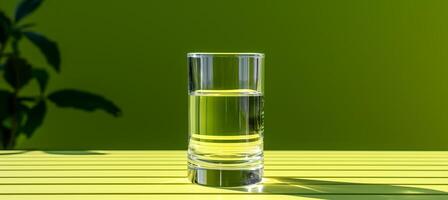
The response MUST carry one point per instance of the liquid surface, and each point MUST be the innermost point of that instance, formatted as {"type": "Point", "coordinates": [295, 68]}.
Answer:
{"type": "Point", "coordinates": [226, 129]}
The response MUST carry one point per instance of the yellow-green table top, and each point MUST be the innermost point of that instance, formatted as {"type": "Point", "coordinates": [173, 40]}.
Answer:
{"type": "Point", "coordinates": [143, 175]}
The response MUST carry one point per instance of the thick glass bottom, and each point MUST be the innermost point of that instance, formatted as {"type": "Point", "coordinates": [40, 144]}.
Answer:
{"type": "Point", "coordinates": [225, 178]}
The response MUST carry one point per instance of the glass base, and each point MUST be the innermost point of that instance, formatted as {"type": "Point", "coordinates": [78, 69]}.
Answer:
{"type": "Point", "coordinates": [225, 178]}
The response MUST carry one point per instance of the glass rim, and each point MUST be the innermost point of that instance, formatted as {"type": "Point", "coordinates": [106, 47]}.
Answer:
{"type": "Point", "coordinates": [225, 54]}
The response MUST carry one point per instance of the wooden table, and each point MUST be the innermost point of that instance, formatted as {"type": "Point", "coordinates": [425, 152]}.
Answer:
{"type": "Point", "coordinates": [145, 175]}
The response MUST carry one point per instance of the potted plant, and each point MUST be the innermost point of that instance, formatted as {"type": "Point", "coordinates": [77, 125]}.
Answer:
{"type": "Point", "coordinates": [21, 114]}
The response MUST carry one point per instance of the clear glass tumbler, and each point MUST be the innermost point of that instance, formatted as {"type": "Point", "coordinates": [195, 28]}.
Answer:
{"type": "Point", "coordinates": [225, 118]}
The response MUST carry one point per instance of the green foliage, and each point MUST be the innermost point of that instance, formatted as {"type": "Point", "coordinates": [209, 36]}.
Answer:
{"type": "Point", "coordinates": [35, 118]}
{"type": "Point", "coordinates": [47, 47]}
{"type": "Point", "coordinates": [42, 78]}
{"type": "Point", "coordinates": [70, 98]}
{"type": "Point", "coordinates": [17, 72]}
{"type": "Point", "coordinates": [25, 114]}
{"type": "Point", "coordinates": [5, 103]}
{"type": "Point", "coordinates": [26, 7]}
{"type": "Point", "coordinates": [5, 25]}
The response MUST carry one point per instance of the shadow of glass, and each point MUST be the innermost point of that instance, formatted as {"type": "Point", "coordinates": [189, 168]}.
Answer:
{"type": "Point", "coordinates": [11, 152]}
{"type": "Point", "coordinates": [78, 152]}
{"type": "Point", "coordinates": [332, 190]}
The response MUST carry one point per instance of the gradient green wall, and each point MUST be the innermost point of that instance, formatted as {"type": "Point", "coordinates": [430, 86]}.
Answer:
{"type": "Point", "coordinates": [346, 74]}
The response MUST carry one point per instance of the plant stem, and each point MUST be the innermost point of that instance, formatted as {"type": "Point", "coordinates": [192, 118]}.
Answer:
{"type": "Point", "coordinates": [4, 132]}
{"type": "Point", "coordinates": [15, 47]}
{"type": "Point", "coordinates": [14, 110]}
{"type": "Point", "coordinates": [2, 49]}
{"type": "Point", "coordinates": [14, 121]}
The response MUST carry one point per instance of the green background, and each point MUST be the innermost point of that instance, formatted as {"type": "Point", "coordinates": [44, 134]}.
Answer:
{"type": "Point", "coordinates": [346, 74]}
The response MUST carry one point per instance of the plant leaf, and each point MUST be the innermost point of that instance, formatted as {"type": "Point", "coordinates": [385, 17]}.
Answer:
{"type": "Point", "coordinates": [22, 110]}
{"type": "Point", "coordinates": [83, 100]}
{"type": "Point", "coordinates": [5, 99]}
{"type": "Point", "coordinates": [27, 99]}
{"type": "Point", "coordinates": [26, 7]}
{"type": "Point", "coordinates": [35, 118]}
{"type": "Point", "coordinates": [18, 115]}
{"type": "Point", "coordinates": [5, 136]}
{"type": "Point", "coordinates": [17, 72]}
{"type": "Point", "coordinates": [47, 47]}
{"type": "Point", "coordinates": [26, 26]}
{"type": "Point", "coordinates": [5, 26]}
{"type": "Point", "coordinates": [5, 103]}
{"type": "Point", "coordinates": [41, 76]}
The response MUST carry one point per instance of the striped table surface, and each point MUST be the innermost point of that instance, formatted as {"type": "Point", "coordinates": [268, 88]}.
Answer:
{"type": "Point", "coordinates": [131, 175]}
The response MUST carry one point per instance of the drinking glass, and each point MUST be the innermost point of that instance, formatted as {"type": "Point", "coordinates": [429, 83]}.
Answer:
{"type": "Point", "coordinates": [225, 118]}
